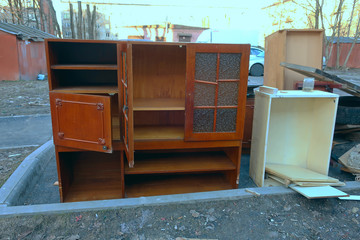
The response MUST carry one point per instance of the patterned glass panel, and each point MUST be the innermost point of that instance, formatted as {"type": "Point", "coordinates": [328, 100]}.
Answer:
{"type": "Point", "coordinates": [204, 94]}
{"type": "Point", "coordinates": [205, 66]}
{"type": "Point", "coordinates": [226, 119]}
{"type": "Point", "coordinates": [228, 93]}
{"type": "Point", "coordinates": [203, 120]}
{"type": "Point", "coordinates": [229, 67]}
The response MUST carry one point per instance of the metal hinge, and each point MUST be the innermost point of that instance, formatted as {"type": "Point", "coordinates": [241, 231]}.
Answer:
{"type": "Point", "coordinates": [100, 106]}
{"type": "Point", "coordinates": [61, 135]}
{"type": "Point", "coordinates": [58, 102]}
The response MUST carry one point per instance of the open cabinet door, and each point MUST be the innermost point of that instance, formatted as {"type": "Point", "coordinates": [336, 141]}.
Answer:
{"type": "Point", "coordinates": [216, 86]}
{"type": "Point", "coordinates": [81, 121]}
{"type": "Point", "coordinates": [127, 101]}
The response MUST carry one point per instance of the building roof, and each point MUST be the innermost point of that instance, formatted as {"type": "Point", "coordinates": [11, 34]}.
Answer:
{"type": "Point", "coordinates": [24, 32]}
{"type": "Point", "coordinates": [344, 39]}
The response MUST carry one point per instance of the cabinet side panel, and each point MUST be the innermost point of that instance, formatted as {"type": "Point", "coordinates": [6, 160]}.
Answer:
{"type": "Point", "coordinates": [274, 54]}
{"type": "Point", "coordinates": [320, 142]}
{"type": "Point", "coordinates": [259, 138]}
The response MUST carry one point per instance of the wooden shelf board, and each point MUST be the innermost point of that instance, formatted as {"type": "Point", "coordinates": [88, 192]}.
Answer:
{"type": "Point", "coordinates": [87, 89]}
{"type": "Point", "coordinates": [180, 162]}
{"type": "Point", "coordinates": [85, 66]}
{"type": "Point", "coordinates": [158, 132]}
{"type": "Point", "coordinates": [94, 189]}
{"type": "Point", "coordinates": [158, 104]}
{"type": "Point", "coordinates": [153, 185]}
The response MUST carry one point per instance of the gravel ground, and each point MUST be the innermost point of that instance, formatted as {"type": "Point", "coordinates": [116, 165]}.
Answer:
{"type": "Point", "coordinates": [24, 98]}
{"type": "Point", "coordinates": [271, 217]}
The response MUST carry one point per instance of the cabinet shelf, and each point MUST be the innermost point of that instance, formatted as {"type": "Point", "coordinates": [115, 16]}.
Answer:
{"type": "Point", "coordinates": [158, 104]}
{"type": "Point", "coordinates": [147, 163]}
{"type": "Point", "coordinates": [158, 133]}
{"type": "Point", "coordinates": [84, 67]}
{"type": "Point", "coordinates": [88, 89]}
{"type": "Point", "coordinates": [153, 185]}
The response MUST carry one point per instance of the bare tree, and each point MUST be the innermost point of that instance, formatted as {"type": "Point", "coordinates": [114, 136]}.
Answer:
{"type": "Point", "coordinates": [72, 21]}
{"type": "Point", "coordinates": [79, 21]}
{"type": "Point", "coordinates": [353, 43]}
{"type": "Point", "coordinates": [351, 17]}
{"type": "Point", "coordinates": [338, 38]}
{"type": "Point", "coordinates": [93, 22]}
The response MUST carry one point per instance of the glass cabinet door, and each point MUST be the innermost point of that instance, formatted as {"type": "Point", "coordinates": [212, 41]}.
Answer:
{"type": "Point", "coordinates": [127, 106]}
{"type": "Point", "coordinates": [216, 89]}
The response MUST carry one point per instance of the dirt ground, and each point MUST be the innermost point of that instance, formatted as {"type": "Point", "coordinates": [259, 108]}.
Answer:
{"type": "Point", "coordinates": [271, 217]}
{"type": "Point", "coordinates": [24, 98]}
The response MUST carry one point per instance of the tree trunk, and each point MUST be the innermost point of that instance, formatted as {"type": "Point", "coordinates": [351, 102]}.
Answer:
{"type": "Point", "coordinates": [317, 11]}
{"type": "Point", "coordinates": [11, 11]}
{"type": "Point", "coordinates": [351, 18]}
{"type": "Point", "coordinates": [338, 41]}
{"type": "Point", "coordinates": [329, 48]}
{"type": "Point", "coordinates": [79, 22]}
{"type": "Point", "coordinates": [55, 23]}
{"type": "Point", "coordinates": [88, 16]}
{"type": "Point", "coordinates": [93, 22]}
{"type": "Point", "coordinates": [72, 21]}
{"type": "Point", "coordinates": [42, 15]}
{"type": "Point", "coordinates": [35, 15]}
{"type": "Point", "coordinates": [353, 43]}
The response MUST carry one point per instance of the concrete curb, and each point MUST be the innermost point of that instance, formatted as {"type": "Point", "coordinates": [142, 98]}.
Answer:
{"type": "Point", "coordinates": [26, 174]}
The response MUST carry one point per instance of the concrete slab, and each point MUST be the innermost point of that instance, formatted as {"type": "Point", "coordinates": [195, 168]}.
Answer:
{"type": "Point", "coordinates": [24, 131]}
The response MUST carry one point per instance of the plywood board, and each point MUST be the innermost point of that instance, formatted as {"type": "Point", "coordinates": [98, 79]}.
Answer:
{"type": "Point", "coordinates": [259, 138]}
{"type": "Point", "coordinates": [351, 197]}
{"type": "Point", "coordinates": [295, 173]}
{"type": "Point", "coordinates": [318, 184]}
{"type": "Point", "coordinates": [319, 192]}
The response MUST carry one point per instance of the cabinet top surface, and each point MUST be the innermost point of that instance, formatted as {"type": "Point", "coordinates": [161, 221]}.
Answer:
{"type": "Point", "coordinates": [130, 42]}
{"type": "Point", "coordinates": [299, 94]}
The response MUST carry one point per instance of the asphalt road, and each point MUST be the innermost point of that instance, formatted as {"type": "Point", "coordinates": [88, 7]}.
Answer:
{"type": "Point", "coordinates": [24, 131]}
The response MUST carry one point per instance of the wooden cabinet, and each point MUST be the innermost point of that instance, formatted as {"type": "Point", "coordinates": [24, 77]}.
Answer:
{"type": "Point", "coordinates": [139, 119]}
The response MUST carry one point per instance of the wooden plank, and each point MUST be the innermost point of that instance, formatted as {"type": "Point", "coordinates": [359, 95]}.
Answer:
{"type": "Point", "coordinates": [158, 104]}
{"type": "Point", "coordinates": [153, 185]}
{"type": "Point", "coordinates": [318, 184]}
{"type": "Point", "coordinates": [259, 138]}
{"type": "Point", "coordinates": [351, 197]}
{"type": "Point", "coordinates": [84, 66]}
{"type": "Point", "coordinates": [180, 162]}
{"type": "Point", "coordinates": [88, 89]}
{"type": "Point", "coordinates": [158, 132]}
{"type": "Point", "coordinates": [321, 75]}
{"type": "Point", "coordinates": [319, 192]}
{"type": "Point", "coordinates": [295, 173]}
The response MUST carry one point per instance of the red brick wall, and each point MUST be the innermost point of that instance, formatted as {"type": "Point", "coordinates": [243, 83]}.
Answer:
{"type": "Point", "coordinates": [9, 65]}
{"type": "Point", "coordinates": [32, 60]}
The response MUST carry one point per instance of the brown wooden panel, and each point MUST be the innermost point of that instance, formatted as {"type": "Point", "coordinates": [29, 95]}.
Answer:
{"type": "Point", "coordinates": [192, 49]}
{"type": "Point", "coordinates": [179, 144]}
{"type": "Point", "coordinates": [156, 118]}
{"type": "Point", "coordinates": [176, 162]}
{"type": "Point", "coordinates": [127, 101]}
{"type": "Point", "coordinates": [159, 71]}
{"type": "Point", "coordinates": [249, 115]}
{"type": "Point", "coordinates": [94, 176]}
{"type": "Point", "coordinates": [152, 185]}
{"type": "Point", "coordinates": [81, 121]}
{"type": "Point", "coordinates": [85, 66]}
